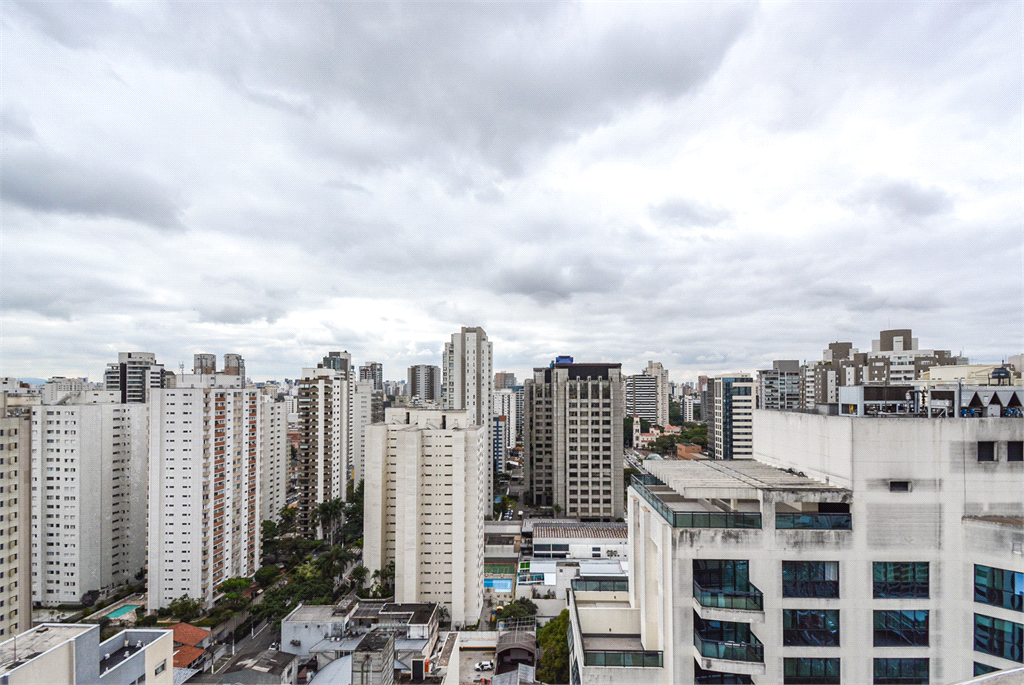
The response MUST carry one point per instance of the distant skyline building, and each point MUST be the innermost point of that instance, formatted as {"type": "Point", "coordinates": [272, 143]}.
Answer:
{"type": "Point", "coordinates": [274, 457]}
{"type": "Point", "coordinates": [642, 397]}
{"type": "Point", "coordinates": [136, 374]}
{"type": "Point", "coordinates": [89, 469]}
{"type": "Point", "coordinates": [504, 380]}
{"type": "Point", "coordinates": [504, 404]}
{"type": "Point", "coordinates": [205, 448]}
{"type": "Point", "coordinates": [662, 392]}
{"type": "Point", "coordinates": [572, 438]}
{"type": "Point", "coordinates": [779, 387]}
{"type": "Point", "coordinates": [467, 370]}
{"type": "Point", "coordinates": [730, 427]}
{"type": "Point", "coordinates": [373, 371]}
{"type": "Point", "coordinates": [424, 382]}
{"type": "Point", "coordinates": [427, 494]}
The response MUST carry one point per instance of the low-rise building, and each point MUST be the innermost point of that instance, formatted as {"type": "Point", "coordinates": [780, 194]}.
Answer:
{"type": "Point", "coordinates": [72, 654]}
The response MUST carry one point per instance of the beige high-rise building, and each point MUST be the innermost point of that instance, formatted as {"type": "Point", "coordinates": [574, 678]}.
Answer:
{"type": "Point", "coordinates": [90, 455]}
{"type": "Point", "coordinates": [274, 457]}
{"type": "Point", "coordinates": [572, 438]}
{"type": "Point", "coordinates": [204, 514]}
{"type": "Point", "coordinates": [427, 477]}
{"type": "Point", "coordinates": [663, 390]}
{"type": "Point", "coordinates": [468, 375]}
{"type": "Point", "coordinates": [325, 404]}
{"type": "Point", "coordinates": [15, 519]}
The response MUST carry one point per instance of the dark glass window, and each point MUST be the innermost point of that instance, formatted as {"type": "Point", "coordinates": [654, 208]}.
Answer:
{"type": "Point", "coordinates": [982, 669]}
{"type": "Point", "coordinates": [901, 629]}
{"type": "Point", "coordinates": [986, 451]}
{"type": "Point", "coordinates": [899, 486]}
{"type": "Point", "coordinates": [810, 627]}
{"type": "Point", "coordinates": [810, 671]}
{"type": "Point", "coordinates": [999, 587]}
{"type": "Point", "coordinates": [999, 638]}
{"type": "Point", "coordinates": [702, 677]}
{"type": "Point", "coordinates": [1015, 450]}
{"type": "Point", "coordinates": [729, 574]}
{"type": "Point", "coordinates": [901, 671]}
{"type": "Point", "coordinates": [810, 579]}
{"type": "Point", "coordinates": [901, 579]}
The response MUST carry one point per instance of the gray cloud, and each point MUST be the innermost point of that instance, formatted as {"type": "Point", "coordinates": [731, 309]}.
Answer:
{"type": "Point", "coordinates": [902, 199]}
{"type": "Point", "coordinates": [46, 183]}
{"type": "Point", "coordinates": [709, 185]}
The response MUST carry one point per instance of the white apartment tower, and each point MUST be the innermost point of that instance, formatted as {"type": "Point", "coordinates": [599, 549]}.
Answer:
{"type": "Point", "coordinates": [427, 477]}
{"type": "Point", "coordinates": [273, 457]}
{"type": "Point", "coordinates": [204, 487]}
{"type": "Point", "coordinates": [89, 472]}
{"type": "Point", "coordinates": [424, 382]}
{"type": "Point", "coordinates": [15, 519]}
{"type": "Point", "coordinates": [362, 417]}
{"type": "Point", "coordinates": [468, 378]}
{"type": "Point", "coordinates": [504, 404]}
{"type": "Point", "coordinates": [642, 397]}
{"type": "Point", "coordinates": [662, 391]}
{"type": "Point", "coordinates": [135, 375]}
{"type": "Point", "coordinates": [325, 404]}
{"type": "Point", "coordinates": [730, 426]}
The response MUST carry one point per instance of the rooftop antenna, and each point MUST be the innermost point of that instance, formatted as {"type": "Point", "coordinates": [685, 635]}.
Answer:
{"type": "Point", "coordinates": [181, 368]}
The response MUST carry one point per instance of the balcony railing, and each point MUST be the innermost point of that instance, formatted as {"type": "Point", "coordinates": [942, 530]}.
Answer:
{"type": "Point", "coordinates": [813, 521]}
{"type": "Point", "coordinates": [728, 598]}
{"type": "Point", "coordinates": [687, 519]}
{"type": "Point", "coordinates": [732, 651]}
{"type": "Point", "coordinates": [626, 659]}
{"type": "Point", "coordinates": [580, 584]}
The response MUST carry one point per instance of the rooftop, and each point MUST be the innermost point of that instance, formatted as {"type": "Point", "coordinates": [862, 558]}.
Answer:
{"type": "Point", "coordinates": [412, 614]}
{"type": "Point", "coordinates": [1012, 521]}
{"type": "Point", "coordinates": [188, 634]}
{"type": "Point", "coordinates": [186, 655]}
{"type": "Point", "coordinates": [41, 639]}
{"type": "Point", "coordinates": [375, 641]}
{"type": "Point", "coordinates": [546, 529]}
{"type": "Point", "coordinates": [312, 613]}
{"type": "Point", "coordinates": [612, 643]}
{"type": "Point", "coordinates": [732, 479]}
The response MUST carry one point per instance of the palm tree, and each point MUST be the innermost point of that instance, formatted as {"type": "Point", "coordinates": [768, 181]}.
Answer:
{"type": "Point", "coordinates": [359, 576]}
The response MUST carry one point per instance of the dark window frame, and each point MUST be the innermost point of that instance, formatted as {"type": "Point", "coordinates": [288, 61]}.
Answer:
{"type": "Point", "coordinates": [901, 628]}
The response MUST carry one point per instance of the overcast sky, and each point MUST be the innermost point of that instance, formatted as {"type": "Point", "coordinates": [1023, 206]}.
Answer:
{"type": "Point", "coordinates": [709, 185]}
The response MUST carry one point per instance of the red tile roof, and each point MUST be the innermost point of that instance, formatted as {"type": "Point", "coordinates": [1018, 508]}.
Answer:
{"type": "Point", "coordinates": [188, 634]}
{"type": "Point", "coordinates": [185, 656]}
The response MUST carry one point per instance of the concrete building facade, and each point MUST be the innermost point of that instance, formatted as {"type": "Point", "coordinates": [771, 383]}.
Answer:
{"type": "Point", "coordinates": [730, 426]}
{"type": "Point", "coordinates": [427, 476]}
{"type": "Point", "coordinates": [898, 557]}
{"type": "Point", "coordinates": [204, 487]}
{"type": "Point", "coordinates": [15, 519]}
{"type": "Point", "coordinates": [779, 387]}
{"type": "Point", "coordinates": [573, 438]}
{"type": "Point", "coordinates": [504, 404]}
{"type": "Point", "coordinates": [642, 397]}
{"type": "Point", "coordinates": [467, 370]}
{"type": "Point", "coordinates": [662, 392]}
{"type": "Point", "coordinates": [274, 456]}
{"type": "Point", "coordinates": [89, 466]}
{"type": "Point", "coordinates": [136, 374]}
{"type": "Point", "coordinates": [424, 382]}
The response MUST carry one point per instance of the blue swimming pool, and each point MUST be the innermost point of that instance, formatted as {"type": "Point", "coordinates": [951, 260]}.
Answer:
{"type": "Point", "coordinates": [499, 584]}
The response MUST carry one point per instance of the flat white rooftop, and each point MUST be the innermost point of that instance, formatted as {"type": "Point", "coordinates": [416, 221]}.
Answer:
{"type": "Point", "coordinates": [39, 640]}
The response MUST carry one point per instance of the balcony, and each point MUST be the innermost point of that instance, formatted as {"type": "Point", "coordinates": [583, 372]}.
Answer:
{"type": "Point", "coordinates": [729, 598]}
{"type": "Point", "coordinates": [746, 658]}
{"type": "Point", "coordinates": [661, 498]}
{"type": "Point", "coordinates": [813, 521]}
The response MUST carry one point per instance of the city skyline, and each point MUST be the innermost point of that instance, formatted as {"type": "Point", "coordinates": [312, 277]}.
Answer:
{"type": "Point", "coordinates": [713, 204]}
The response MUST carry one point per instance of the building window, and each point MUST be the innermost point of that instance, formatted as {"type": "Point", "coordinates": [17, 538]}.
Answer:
{"type": "Point", "coordinates": [982, 669]}
{"type": "Point", "coordinates": [901, 580]}
{"type": "Point", "coordinates": [901, 671]}
{"type": "Point", "coordinates": [999, 638]}
{"type": "Point", "coordinates": [986, 451]}
{"type": "Point", "coordinates": [810, 579]}
{"type": "Point", "coordinates": [1015, 450]}
{"type": "Point", "coordinates": [901, 628]}
{"type": "Point", "coordinates": [998, 587]}
{"type": "Point", "coordinates": [810, 671]}
{"type": "Point", "coordinates": [160, 668]}
{"type": "Point", "coordinates": [810, 627]}
{"type": "Point", "coordinates": [899, 486]}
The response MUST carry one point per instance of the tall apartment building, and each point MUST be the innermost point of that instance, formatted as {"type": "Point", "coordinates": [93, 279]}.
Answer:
{"type": "Point", "coordinates": [642, 397]}
{"type": "Point", "coordinates": [730, 425]}
{"type": "Point", "coordinates": [15, 519]}
{"type": "Point", "coordinates": [204, 517]}
{"type": "Point", "coordinates": [89, 468]}
{"type": "Point", "coordinates": [424, 382]}
{"type": "Point", "coordinates": [326, 398]}
{"type": "Point", "coordinates": [689, 402]}
{"type": "Point", "coordinates": [572, 438]}
{"type": "Point", "coordinates": [204, 364]}
{"type": "Point", "coordinates": [520, 403]}
{"type": "Point", "coordinates": [662, 392]}
{"type": "Point", "coordinates": [499, 442]}
{"type": "Point", "coordinates": [897, 558]}
{"type": "Point", "coordinates": [504, 404]}
{"type": "Point", "coordinates": [135, 375]}
{"type": "Point", "coordinates": [274, 456]}
{"type": "Point", "coordinates": [373, 371]}
{"type": "Point", "coordinates": [467, 370]}
{"type": "Point", "coordinates": [58, 387]}
{"type": "Point", "coordinates": [363, 408]}
{"type": "Point", "coordinates": [427, 485]}
{"type": "Point", "coordinates": [504, 380]}
{"type": "Point", "coordinates": [779, 387]}
{"type": "Point", "coordinates": [234, 365]}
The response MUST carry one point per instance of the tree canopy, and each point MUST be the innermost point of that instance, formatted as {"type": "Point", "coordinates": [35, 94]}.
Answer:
{"type": "Point", "coordinates": [553, 641]}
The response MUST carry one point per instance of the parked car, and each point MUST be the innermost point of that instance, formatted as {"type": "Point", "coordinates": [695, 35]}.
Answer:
{"type": "Point", "coordinates": [484, 665]}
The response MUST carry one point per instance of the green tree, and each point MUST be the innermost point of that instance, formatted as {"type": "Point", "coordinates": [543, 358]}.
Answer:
{"type": "Point", "coordinates": [519, 608]}
{"type": "Point", "coordinates": [267, 575]}
{"type": "Point", "coordinates": [359, 574]}
{"type": "Point", "coordinates": [287, 520]}
{"type": "Point", "coordinates": [554, 645]}
{"type": "Point", "coordinates": [185, 609]}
